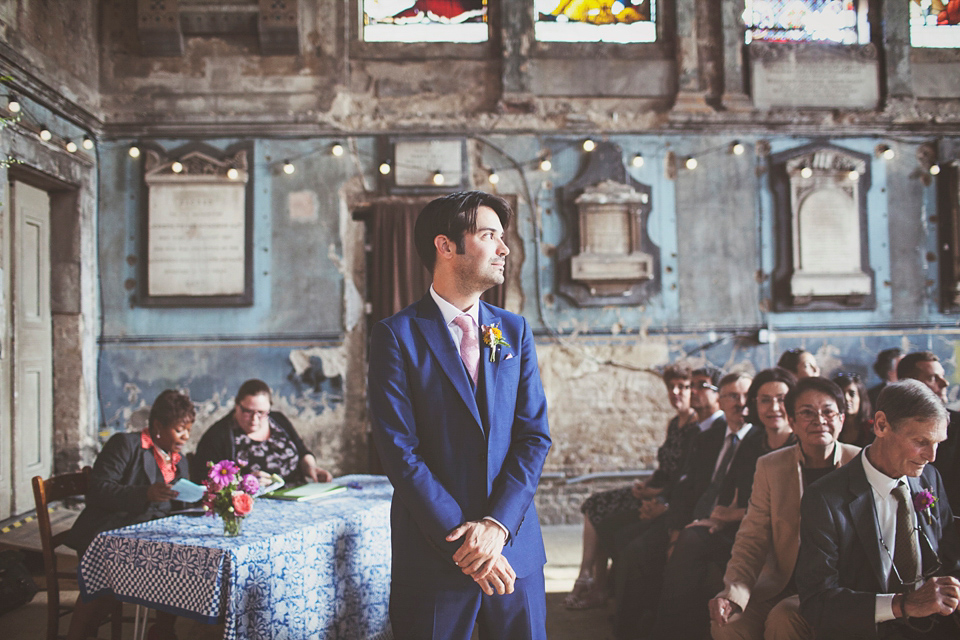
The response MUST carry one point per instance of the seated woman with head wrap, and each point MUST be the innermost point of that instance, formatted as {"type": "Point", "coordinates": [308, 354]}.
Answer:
{"type": "Point", "coordinates": [130, 483]}
{"type": "Point", "coordinates": [262, 441]}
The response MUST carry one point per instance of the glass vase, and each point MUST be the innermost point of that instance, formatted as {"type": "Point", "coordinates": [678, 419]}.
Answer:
{"type": "Point", "coordinates": [231, 525]}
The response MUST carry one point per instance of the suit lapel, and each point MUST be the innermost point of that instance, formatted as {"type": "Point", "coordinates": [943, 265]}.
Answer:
{"type": "Point", "coordinates": [864, 518]}
{"type": "Point", "coordinates": [429, 321]}
{"type": "Point", "coordinates": [150, 466]}
{"type": "Point", "coordinates": [489, 370]}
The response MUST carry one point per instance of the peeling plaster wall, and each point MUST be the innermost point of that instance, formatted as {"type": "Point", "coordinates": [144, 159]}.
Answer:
{"type": "Point", "coordinates": [55, 43]}
{"type": "Point", "coordinates": [513, 98]}
{"type": "Point", "coordinates": [305, 333]}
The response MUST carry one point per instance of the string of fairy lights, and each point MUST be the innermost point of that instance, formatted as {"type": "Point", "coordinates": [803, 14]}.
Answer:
{"type": "Point", "coordinates": [543, 161]}
{"type": "Point", "coordinates": [21, 117]}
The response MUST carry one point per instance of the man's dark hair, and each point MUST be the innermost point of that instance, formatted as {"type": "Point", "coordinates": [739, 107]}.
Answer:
{"type": "Point", "coordinates": [908, 365]}
{"type": "Point", "coordinates": [884, 362]}
{"type": "Point", "coordinates": [908, 399]}
{"type": "Point", "coordinates": [675, 371]}
{"type": "Point", "coordinates": [824, 386]}
{"type": "Point", "coordinates": [253, 387]}
{"type": "Point", "coordinates": [709, 372]}
{"type": "Point", "coordinates": [170, 409]}
{"type": "Point", "coordinates": [453, 216]}
{"type": "Point", "coordinates": [776, 374]}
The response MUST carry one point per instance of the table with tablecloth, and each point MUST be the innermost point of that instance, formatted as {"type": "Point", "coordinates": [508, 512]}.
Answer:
{"type": "Point", "coordinates": [317, 569]}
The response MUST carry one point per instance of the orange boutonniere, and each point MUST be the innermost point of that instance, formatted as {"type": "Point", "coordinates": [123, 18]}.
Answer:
{"type": "Point", "coordinates": [493, 338]}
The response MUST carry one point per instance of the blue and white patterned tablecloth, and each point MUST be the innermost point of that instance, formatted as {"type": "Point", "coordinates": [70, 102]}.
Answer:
{"type": "Point", "coordinates": [298, 570]}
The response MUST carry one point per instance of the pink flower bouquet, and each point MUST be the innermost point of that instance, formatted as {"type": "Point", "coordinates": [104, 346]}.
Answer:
{"type": "Point", "coordinates": [229, 494]}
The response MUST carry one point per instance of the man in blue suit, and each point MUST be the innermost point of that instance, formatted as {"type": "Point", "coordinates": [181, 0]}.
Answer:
{"type": "Point", "coordinates": [460, 421]}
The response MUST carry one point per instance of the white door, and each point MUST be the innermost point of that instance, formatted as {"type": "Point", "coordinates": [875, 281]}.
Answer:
{"type": "Point", "coordinates": [31, 342]}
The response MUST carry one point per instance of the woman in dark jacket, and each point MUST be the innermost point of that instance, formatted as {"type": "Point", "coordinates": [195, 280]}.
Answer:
{"type": "Point", "coordinates": [261, 441]}
{"type": "Point", "coordinates": [130, 483]}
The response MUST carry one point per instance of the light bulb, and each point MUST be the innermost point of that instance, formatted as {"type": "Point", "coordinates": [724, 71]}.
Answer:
{"type": "Point", "coordinates": [45, 134]}
{"type": "Point", "coordinates": [176, 167]}
{"type": "Point", "coordinates": [737, 149]}
{"type": "Point", "coordinates": [494, 178]}
{"type": "Point", "coordinates": [546, 165]}
{"type": "Point", "coordinates": [854, 175]}
{"type": "Point", "coordinates": [934, 169]}
{"type": "Point", "coordinates": [806, 172]}
{"type": "Point", "coordinates": [691, 163]}
{"type": "Point", "coordinates": [232, 173]}
{"type": "Point", "coordinates": [288, 167]}
{"type": "Point", "coordinates": [889, 154]}
{"type": "Point", "coordinates": [438, 178]}
{"type": "Point", "coordinates": [134, 152]}
{"type": "Point", "coordinates": [589, 145]}
{"type": "Point", "coordinates": [637, 160]}
{"type": "Point", "coordinates": [72, 146]}
{"type": "Point", "coordinates": [13, 105]}
{"type": "Point", "coordinates": [384, 168]}
{"type": "Point", "coordinates": [337, 149]}
{"type": "Point", "coordinates": [87, 143]}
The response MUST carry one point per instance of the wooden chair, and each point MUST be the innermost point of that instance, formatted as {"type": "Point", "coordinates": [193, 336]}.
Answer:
{"type": "Point", "coordinates": [55, 488]}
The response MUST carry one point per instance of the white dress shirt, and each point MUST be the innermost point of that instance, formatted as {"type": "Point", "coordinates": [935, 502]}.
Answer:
{"type": "Point", "coordinates": [450, 313]}
{"type": "Point", "coordinates": [886, 505]}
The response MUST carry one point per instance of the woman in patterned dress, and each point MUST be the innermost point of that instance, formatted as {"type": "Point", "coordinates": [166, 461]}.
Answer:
{"type": "Point", "coordinates": [262, 441]}
{"type": "Point", "coordinates": [609, 510]}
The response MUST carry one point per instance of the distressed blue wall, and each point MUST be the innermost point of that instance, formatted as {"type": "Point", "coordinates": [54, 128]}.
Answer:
{"type": "Point", "coordinates": [714, 228]}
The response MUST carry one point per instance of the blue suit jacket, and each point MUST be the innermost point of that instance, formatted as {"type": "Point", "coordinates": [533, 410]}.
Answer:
{"type": "Point", "coordinates": [840, 568]}
{"type": "Point", "coordinates": [454, 455]}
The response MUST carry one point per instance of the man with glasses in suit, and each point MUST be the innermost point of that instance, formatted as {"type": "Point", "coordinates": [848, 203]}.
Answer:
{"type": "Point", "coordinates": [879, 550]}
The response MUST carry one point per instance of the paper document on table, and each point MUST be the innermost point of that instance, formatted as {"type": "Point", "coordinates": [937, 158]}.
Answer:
{"type": "Point", "coordinates": [188, 491]}
{"type": "Point", "coordinates": [310, 491]}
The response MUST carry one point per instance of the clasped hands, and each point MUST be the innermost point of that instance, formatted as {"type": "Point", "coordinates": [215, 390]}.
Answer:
{"type": "Point", "coordinates": [480, 556]}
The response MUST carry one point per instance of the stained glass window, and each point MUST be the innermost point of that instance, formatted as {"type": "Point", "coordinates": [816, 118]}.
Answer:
{"type": "Point", "coordinates": [622, 21]}
{"type": "Point", "coordinates": [935, 23]}
{"type": "Point", "coordinates": [424, 20]}
{"type": "Point", "coordinates": [841, 21]}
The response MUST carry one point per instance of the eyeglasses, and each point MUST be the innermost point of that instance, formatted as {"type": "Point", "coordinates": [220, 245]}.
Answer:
{"type": "Point", "coordinates": [706, 385]}
{"type": "Point", "coordinates": [843, 377]}
{"type": "Point", "coordinates": [770, 400]}
{"type": "Point", "coordinates": [810, 415]}
{"type": "Point", "coordinates": [251, 413]}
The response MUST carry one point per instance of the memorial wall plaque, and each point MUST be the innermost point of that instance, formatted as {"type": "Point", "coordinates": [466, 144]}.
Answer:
{"type": "Point", "coordinates": [197, 244]}
{"type": "Point", "coordinates": [827, 252]}
{"type": "Point", "coordinates": [417, 162]}
{"type": "Point", "coordinates": [814, 75]}
{"type": "Point", "coordinates": [607, 257]}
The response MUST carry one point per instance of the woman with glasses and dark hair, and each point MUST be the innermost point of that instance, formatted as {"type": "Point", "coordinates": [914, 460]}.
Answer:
{"type": "Point", "coordinates": [858, 424]}
{"type": "Point", "coordinates": [262, 441]}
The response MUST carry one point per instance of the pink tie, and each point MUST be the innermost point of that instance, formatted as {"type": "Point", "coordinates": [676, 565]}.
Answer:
{"type": "Point", "coordinates": [469, 345]}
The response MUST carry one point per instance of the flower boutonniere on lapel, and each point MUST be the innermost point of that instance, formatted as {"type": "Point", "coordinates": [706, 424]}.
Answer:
{"type": "Point", "coordinates": [923, 502]}
{"type": "Point", "coordinates": [493, 338]}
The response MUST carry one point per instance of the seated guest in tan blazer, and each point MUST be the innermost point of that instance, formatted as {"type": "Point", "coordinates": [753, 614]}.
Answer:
{"type": "Point", "coordinates": [759, 597]}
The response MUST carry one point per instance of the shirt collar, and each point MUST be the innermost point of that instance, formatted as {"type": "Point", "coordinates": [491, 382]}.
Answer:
{"type": "Point", "coordinates": [450, 312]}
{"type": "Point", "coordinates": [881, 482]}
{"type": "Point", "coordinates": [743, 431]}
{"type": "Point", "coordinates": [706, 424]}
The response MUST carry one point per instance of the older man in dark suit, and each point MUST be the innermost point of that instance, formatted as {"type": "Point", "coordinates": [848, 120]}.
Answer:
{"type": "Point", "coordinates": [878, 546]}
